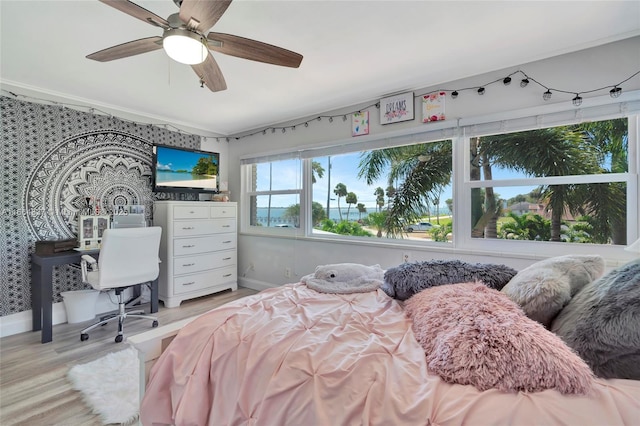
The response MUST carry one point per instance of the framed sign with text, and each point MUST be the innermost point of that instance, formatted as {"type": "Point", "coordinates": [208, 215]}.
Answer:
{"type": "Point", "coordinates": [394, 109]}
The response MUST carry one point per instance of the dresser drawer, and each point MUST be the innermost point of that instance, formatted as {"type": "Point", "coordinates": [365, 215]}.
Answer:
{"type": "Point", "coordinates": [187, 228]}
{"type": "Point", "coordinates": [196, 245]}
{"type": "Point", "coordinates": [191, 212]}
{"type": "Point", "coordinates": [202, 262]}
{"type": "Point", "coordinates": [213, 278]}
{"type": "Point", "coordinates": [223, 211]}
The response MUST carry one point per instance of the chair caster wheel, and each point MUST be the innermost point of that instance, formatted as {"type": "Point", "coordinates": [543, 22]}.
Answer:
{"type": "Point", "coordinates": [119, 338]}
{"type": "Point", "coordinates": [83, 337]}
{"type": "Point", "coordinates": [154, 324]}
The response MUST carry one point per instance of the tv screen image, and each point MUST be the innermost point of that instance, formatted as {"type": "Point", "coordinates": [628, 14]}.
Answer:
{"type": "Point", "coordinates": [184, 170]}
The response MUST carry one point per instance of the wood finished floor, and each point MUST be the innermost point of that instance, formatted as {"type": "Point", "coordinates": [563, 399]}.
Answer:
{"type": "Point", "coordinates": [34, 389]}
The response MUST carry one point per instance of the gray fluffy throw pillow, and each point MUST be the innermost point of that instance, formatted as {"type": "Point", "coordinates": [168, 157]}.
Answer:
{"type": "Point", "coordinates": [546, 287]}
{"type": "Point", "coordinates": [602, 323]}
{"type": "Point", "coordinates": [407, 279]}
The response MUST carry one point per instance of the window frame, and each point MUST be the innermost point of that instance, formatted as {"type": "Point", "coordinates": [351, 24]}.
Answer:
{"type": "Point", "coordinates": [460, 132]}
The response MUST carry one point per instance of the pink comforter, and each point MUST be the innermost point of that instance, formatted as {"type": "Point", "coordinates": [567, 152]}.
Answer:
{"type": "Point", "coordinates": [293, 356]}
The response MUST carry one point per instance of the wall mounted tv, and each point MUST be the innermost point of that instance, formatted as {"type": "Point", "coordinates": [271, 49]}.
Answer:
{"type": "Point", "coordinates": [184, 170]}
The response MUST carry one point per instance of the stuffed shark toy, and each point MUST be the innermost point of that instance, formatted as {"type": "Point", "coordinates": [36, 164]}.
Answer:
{"type": "Point", "coordinates": [342, 278]}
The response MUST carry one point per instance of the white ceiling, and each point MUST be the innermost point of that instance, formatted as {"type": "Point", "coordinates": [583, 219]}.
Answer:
{"type": "Point", "coordinates": [354, 51]}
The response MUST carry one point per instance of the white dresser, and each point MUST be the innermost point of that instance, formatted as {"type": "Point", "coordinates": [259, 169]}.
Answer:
{"type": "Point", "coordinates": [198, 249]}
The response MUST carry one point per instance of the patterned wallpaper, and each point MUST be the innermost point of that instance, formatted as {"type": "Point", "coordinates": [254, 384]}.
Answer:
{"type": "Point", "coordinates": [53, 158]}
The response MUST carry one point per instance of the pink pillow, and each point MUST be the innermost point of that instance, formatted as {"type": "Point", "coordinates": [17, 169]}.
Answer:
{"type": "Point", "coordinates": [474, 335]}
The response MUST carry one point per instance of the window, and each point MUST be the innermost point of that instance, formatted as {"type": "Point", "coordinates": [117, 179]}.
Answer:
{"type": "Point", "coordinates": [272, 191]}
{"type": "Point", "coordinates": [381, 193]}
{"type": "Point", "coordinates": [512, 186]}
{"type": "Point", "coordinates": [569, 184]}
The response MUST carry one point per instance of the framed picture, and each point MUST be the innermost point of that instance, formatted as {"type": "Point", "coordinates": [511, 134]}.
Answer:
{"type": "Point", "coordinates": [396, 108]}
{"type": "Point", "coordinates": [90, 231]}
{"type": "Point", "coordinates": [433, 107]}
{"type": "Point", "coordinates": [360, 123]}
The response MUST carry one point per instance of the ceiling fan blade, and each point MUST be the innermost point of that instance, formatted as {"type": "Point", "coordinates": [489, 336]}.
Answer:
{"type": "Point", "coordinates": [253, 50]}
{"type": "Point", "coordinates": [136, 11]}
{"type": "Point", "coordinates": [209, 73]}
{"type": "Point", "coordinates": [205, 12]}
{"type": "Point", "coordinates": [130, 48]}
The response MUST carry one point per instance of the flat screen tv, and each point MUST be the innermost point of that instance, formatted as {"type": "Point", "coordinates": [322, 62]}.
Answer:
{"type": "Point", "coordinates": [185, 170]}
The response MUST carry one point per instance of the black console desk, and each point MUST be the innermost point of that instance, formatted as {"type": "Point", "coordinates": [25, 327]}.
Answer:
{"type": "Point", "coordinates": [42, 289]}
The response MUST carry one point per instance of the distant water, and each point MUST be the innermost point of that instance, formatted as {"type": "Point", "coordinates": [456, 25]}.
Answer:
{"type": "Point", "coordinates": [277, 212]}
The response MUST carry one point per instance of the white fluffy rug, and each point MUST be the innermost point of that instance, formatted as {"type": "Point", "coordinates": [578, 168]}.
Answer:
{"type": "Point", "coordinates": [110, 385]}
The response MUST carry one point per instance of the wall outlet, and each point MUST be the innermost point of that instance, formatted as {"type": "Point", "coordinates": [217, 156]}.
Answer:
{"type": "Point", "coordinates": [287, 272]}
{"type": "Point", "coordinates": [406, 257]}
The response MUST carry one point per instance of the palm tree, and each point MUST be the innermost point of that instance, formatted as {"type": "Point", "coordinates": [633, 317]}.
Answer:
{"type": "Point", "coordinates": [390, 192]}
{"type": "Point", "coordinates": [316, 170]}
{"type": "Point", "coordinates": [351, 198]}
{"type": "Point", "coordinates": [361, 209]}
{"type": "Point", "coordinates": [292, 213]}
{"type": "Point", "coordinates": [341, 191]}
{"type": "Point", "coordinates": [606, 203]}
{"type": "Point", "coordinates": [378, 220]}
{"type": "Point", "coordinates": [422, 168]}
{"type": "Point", "coordinates": [557, 151]}
{"type": "Point", "coordinates": [379, 193]}
{"type": "Point", "coordinates": [560, 151]}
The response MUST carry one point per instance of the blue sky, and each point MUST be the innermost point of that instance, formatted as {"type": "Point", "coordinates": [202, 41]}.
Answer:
{"type": "Point", "coordinates": [176, 159]}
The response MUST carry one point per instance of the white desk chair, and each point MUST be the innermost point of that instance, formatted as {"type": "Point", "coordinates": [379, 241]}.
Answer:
{"type": "Point", "coordinates": [128, 257]}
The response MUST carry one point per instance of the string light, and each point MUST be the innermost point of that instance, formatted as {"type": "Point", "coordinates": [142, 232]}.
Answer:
{"type": "Point", "coordinates": [615, 91]}
{"type": "Point", "coordinates": [577, 101]}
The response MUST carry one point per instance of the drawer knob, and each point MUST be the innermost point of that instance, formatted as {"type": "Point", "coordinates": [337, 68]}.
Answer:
{"type": "Point", "coordinates": [189, 283]}
{"type": "Point", "coordinates": [189, 246]}
{"type": "Point", "coordinates": [226, 258]}
{"type": "Point", "coordinates": [188, 264]}
{"type": "Point", "coordinates": [226, 275]}
{"type": "Point", "coordinates": [226, 242]}
{"type": "Point", "coordinates": [186, 228]}
{"type": "Point", "coordinates": [226, 226]}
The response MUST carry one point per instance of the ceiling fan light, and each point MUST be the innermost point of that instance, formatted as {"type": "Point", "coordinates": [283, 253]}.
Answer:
{"type": "Point", "coordinates": [184, 46]}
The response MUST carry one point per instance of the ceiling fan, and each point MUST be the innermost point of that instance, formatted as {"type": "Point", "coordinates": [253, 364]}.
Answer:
{"type": "Point", "coordinates": [184, 40]}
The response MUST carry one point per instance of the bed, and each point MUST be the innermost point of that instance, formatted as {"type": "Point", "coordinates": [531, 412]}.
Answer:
{"type": "Point", "coordinates": [297, 355]}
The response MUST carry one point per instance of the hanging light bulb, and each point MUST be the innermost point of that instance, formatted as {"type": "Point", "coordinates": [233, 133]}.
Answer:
{"type": "Point", "coordinates": [454, 94]}
{"type": "Point", "coordinates": [615, 92]}
{"type": "Point", "coordinates": [481, 91]}
{"type": "Point", "coordinates": [507, 81]}
{"type": "Point", "coordinates": [546, 95]}
{"type": "Point", "coordinates": [577, 101]}
{"type": "Point", "coordinates": [524, 82]}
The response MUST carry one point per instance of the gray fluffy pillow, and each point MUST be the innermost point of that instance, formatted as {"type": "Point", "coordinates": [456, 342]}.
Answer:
{"type": "Point", "coordinates": [602, 323]}
{"type": "Point", "coordinates": [546, 287]}
{"type": "Point", "coordinates": [407, 279]}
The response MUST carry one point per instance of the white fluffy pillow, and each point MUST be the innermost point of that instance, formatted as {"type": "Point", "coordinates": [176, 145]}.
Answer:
{"type": "Point", "coordinates": [545, 287]}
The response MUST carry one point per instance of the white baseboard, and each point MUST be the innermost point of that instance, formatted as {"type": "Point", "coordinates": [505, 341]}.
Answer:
{"type": "Point", "coordinates": [255, 284]}
{"type": "Point", "coordinates": [22, 322]}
